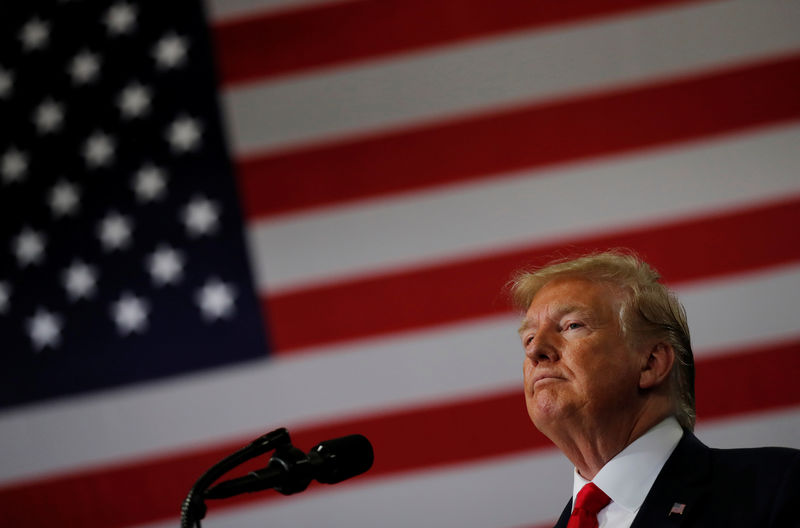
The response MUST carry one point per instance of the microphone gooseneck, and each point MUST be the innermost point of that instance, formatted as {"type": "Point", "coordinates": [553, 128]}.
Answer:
{"type": "Point", "coordinates": [291, 471]}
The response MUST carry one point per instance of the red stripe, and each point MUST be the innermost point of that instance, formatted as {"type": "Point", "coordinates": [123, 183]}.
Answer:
{"type": "Point", "coordinates": [748, 381]}
{"type": "Point", "coordinates": [256, 47]}
{"type": "Point", "coordinates": [527, 137]}
{"type": "Point", "coordinates": [449, 433]}
{"type": "Point", "coordinates": [729, 243]}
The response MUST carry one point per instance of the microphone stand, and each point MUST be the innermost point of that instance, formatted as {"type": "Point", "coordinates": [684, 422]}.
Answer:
{"type": "Point", "coordinates": [193, 508]}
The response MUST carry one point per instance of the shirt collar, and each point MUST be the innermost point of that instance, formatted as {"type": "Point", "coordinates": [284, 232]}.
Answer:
{"type": "Point", "coordinates": [628, 477]}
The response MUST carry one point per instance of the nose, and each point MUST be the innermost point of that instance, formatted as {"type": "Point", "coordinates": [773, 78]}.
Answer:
{"type": "Point", "coordinates": [542, 348]}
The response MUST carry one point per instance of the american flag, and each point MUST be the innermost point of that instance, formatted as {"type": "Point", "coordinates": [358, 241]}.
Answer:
{"type": "Point", "coordinates": [123, 252]}
{"type": "Point", "coordinates": [393, 162]}
{"type": "Point", "coordinates": [677, 508]}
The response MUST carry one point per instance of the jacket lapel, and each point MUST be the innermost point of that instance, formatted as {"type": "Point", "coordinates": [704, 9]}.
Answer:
{"type": "Point", "coordinates": [564, 519]}
{"type": "Point", "coordinates": [679, 487]}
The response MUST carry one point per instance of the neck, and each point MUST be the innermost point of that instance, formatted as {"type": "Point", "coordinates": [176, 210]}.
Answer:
{"type": "Point", "coordinates": [589, 446]}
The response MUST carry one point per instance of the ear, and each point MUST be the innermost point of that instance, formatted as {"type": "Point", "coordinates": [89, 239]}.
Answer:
{"type": "Point", "coordinates": [657, 365]}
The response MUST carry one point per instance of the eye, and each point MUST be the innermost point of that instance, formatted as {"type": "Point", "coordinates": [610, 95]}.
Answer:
{"type": "Point", "coordinates": [528, 339]}
{"type": "Point", "coordinates": [573, 326]}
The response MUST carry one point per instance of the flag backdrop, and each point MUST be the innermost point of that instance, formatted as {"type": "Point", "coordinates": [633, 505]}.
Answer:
{"type": "Point", "coordinates": [320, 237]}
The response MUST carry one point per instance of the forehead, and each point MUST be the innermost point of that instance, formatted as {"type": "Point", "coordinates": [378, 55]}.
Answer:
{"type": "Point", "coordinates": [567, 295]}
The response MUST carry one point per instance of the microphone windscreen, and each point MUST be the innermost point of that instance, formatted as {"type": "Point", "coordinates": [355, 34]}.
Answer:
{"type": "Point", "coordinates": [343, 458]}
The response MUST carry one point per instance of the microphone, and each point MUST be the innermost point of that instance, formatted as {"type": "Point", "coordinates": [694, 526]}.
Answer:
{"type": "Point", "coordinates": [291, 471]}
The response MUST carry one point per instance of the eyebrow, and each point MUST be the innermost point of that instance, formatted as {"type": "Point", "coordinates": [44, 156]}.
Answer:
{"type": "Point", "coordinates": [559, 311]}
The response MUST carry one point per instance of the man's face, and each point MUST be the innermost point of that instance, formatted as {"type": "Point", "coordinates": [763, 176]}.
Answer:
{"type": "Point", "coordinates": [579, 369]}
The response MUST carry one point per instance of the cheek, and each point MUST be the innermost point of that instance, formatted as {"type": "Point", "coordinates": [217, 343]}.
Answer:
{"type": "Point", "coordinates": [527, 373]}
{"type": "Point", "coordinates": [610, 379]}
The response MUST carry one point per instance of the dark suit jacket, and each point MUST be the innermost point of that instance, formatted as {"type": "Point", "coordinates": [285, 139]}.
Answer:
{"type": "Point", "coordinates": [726, 488]}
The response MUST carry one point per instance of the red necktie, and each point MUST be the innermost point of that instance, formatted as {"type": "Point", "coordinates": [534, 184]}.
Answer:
{"type": "Point", "coordinates": [590, 500]}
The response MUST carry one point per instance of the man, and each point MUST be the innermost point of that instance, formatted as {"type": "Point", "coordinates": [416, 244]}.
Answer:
{"type": "Point", "coordinates": [609, 378]}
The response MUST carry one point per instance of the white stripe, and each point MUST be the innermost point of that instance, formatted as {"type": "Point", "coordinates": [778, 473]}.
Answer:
{"type": "Point", "coordinates": [528, 489]}
{"type": "Point", "coordinates": [495, 73]}
{"type": "Point", "coordinates": [778, 428]}
{"type": "Point", "coordinates": [731, 313]}
{"type": "Point", "coordinates": [468, 359]}
{"type": "Point", "coordinates": [524, 209]}
{"type": "Point", "coordinates": [226, 10]}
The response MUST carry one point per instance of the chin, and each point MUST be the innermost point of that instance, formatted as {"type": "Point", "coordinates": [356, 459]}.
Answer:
{"type": "Point", "coordinates": [543, 412]}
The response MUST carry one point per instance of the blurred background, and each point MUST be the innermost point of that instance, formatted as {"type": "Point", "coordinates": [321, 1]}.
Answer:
{"type": "Point", "coordinates": [219, 219]}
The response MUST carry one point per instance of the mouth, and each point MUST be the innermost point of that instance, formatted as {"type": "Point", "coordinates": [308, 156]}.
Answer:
{"type": "Point", "coordinates": [542, 379]}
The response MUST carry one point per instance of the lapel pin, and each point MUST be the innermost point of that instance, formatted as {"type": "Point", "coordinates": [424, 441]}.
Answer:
{"type": "Point", "coordinates": [677, 509]}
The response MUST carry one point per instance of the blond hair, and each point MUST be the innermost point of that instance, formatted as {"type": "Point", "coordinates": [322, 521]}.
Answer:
{"type": "Point", "coordinates": [649, 310]}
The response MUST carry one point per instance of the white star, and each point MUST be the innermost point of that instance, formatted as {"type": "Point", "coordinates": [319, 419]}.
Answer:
{"type": "Point", "coordinates": [64, 198]}
{"type": "Point", "coordinates": [201, 216]}
{"type": "Point", "coordinates": [14, 165]}
{"type": "Point", "coordinates": [120, 18]}
{"type": "Point", "coordinates": [150, 183]}
{"type": "Point", "coordinates": [45, 329]}
{"type": "Point", "coordinates": [6, 83]}
{"type": "Point", "coordinates": [35, 34]}
{"type": "Point", "coordinates": [48, 116]}
{"type": "Point", "coordinates": [5, 295]}
{"type": "Point", "coordinates": [85, 67]}
{"type": "Point", "coordinates": [215, 299]}
{"type": "Point", "coordinates": [80, 281]}
{"type": "Point", "coordinates": [170, 51]}
{"type": "Point", "coordinates": [130, 314]}
{"type": "Point", "coordinates": [115, 231]}
{"type": "Point", "coordinates": [134, 100]}
{"type": "Point", "coordinates": [98, 150]}
{"type": "Point", "coordinates": [29, 247]}
{"type": "Point", "coordinates": [165, 265]}
{"type": "Point", "coordinates": [184, 133]}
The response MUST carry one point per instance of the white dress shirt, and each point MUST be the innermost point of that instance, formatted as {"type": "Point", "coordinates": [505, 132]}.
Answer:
{"type": "Point", "coordinates": [628, 477]}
